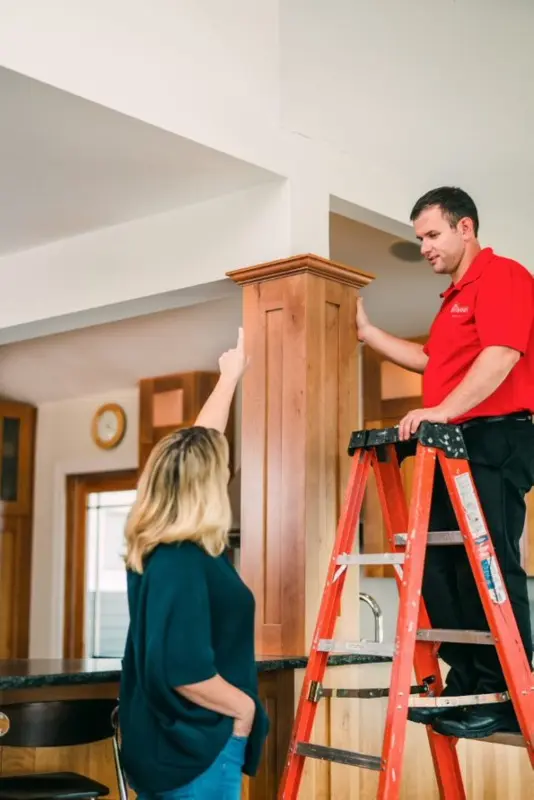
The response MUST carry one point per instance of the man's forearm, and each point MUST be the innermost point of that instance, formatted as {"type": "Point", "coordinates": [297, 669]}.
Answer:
{"type": "Point", "coordinates": [218, 695]}
{"type": "Point", "coordinates": [409, 355]}
{"type": "Point", "coordinates": [215, 411]}
{"type": "Point", "coordinates": [488, 371]}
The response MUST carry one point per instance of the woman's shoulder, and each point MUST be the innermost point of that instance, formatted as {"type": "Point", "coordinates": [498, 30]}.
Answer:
{"type": "Point", "coordinates": [173, 556]}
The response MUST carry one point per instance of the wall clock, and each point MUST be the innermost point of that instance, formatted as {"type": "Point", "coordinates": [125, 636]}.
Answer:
{"type": "Point", "coordinates": [108, 426]}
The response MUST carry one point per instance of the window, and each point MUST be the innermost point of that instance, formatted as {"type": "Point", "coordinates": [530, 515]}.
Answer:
{"type": "Point", "coordinates": [106, 607]}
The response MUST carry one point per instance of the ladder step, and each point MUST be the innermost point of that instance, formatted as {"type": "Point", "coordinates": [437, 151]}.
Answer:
{"type": "Point", "coordinates": [339, 647]}
{"type": "Point", "coordinates": [387, 649]}
{"type": "Point", "coordinates": [513, 739]}
{"type": "Point", "coordinates": [318, 691]}
{"type": "Point", "coordinates": [435, 538]}
{"type": "Point", "coordinates": [454, 636]}
{"type": "Point", "coordinates": [339, 756]}
{"type": "Point", "coordinates": [371, 558]}
{"type": "Point", "coordinates": [461, 700]}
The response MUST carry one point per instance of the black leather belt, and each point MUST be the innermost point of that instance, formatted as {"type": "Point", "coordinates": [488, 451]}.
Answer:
{"type": "Point", "coordinates": [520, 416]}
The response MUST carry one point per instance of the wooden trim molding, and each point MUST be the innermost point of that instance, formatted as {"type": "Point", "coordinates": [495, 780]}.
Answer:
{"type": "Point", "coordinates": [314, 265]}
{"type": "Point", "coordinates": [78, 487]}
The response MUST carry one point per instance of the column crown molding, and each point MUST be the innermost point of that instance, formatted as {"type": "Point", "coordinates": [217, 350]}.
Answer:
{"type": "Point", "coordinates": [294, 265]}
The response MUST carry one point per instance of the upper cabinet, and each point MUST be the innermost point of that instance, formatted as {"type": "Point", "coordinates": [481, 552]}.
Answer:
{"type": "Point", "coordinates": [17, 436]}
{"type": "Point", "coordinates": [169, 402]}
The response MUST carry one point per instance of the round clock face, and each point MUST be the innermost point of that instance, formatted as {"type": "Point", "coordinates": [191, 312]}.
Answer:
{"type": "Point", "coordinates": [107, 426]}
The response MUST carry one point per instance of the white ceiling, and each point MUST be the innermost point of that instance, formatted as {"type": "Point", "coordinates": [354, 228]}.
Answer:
{"type": "Point", "coordinates": [69, 166]}
{"type": "Point", "coordinates": [116, 355]}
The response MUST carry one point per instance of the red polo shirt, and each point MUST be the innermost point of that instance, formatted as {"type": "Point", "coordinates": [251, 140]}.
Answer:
{"type": "Point", "coordinates": [493, 304]}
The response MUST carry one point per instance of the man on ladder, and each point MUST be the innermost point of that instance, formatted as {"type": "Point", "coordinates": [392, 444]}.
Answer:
{"type": "Point", "coordinates": [478, 372]}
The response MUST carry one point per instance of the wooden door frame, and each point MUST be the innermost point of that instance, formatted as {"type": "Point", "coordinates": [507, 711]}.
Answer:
{"type": "Point", "coordinates": [77, 489]}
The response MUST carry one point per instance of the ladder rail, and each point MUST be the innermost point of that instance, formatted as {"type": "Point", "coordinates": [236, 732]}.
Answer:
{"type": "Point", "coordinates": [416, 641]}
{"type": "Point", "coordinates": [395, 511]}
{"type": "Point", "coordinates": [493, 594]}
{"type": "Point", "coordinates": [328, 612]}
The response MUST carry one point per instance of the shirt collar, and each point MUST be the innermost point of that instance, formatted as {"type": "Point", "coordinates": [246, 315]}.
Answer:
{"type": "Point", "coordinates": [474, 271]}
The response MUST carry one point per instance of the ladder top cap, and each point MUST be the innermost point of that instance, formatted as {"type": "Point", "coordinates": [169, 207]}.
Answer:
{"type": "Point", "coordinates": [448, 438]}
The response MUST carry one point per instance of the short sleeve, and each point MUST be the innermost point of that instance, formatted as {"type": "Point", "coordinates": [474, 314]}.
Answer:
{"type": "Point", "coordinates": [179, 618]}
{"type": "Point", "coordinates": [505, 307]}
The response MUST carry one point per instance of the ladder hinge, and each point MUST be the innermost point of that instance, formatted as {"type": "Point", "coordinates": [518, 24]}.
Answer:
{"type": "Point", "coordinates": [316, 692]}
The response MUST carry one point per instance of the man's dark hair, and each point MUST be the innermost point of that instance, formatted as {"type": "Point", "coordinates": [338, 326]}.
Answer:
{"type": "Point", "coordinates": [454, 203]}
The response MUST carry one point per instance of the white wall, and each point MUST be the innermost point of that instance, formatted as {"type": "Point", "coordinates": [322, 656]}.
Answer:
{"type": "Point", "coordinates": [360, 101]}
{"type": "Point", "coordinates": [190, 246]}
{"type": "Point", "coordinates": [378, 101]}
{"type": "Point", "coordinates": [64, 447]}
{"type": "Point", "coordinates": [414, 94]}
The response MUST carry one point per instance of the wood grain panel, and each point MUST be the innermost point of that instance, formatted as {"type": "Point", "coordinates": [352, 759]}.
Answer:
{"type": "Point", "coordinates": [15, 571]}
{"type": "Point", "coordinates": [528, 536]}
{"type": "Point", "coordinates": [300, 404]}
{"type": "Point", "coordinates": [7, 580]}
{"type": "Point", "coordinates": [272, 461]}
{"type": "Point", "coordinates": [274, 344]}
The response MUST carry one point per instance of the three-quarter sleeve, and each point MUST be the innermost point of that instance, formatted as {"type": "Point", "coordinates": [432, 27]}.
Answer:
{"type": "Point", "coordinates": [179, 621]}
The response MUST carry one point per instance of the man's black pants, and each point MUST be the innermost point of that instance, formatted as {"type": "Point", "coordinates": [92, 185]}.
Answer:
{"type": "Point", "coordinates": [501, 457]}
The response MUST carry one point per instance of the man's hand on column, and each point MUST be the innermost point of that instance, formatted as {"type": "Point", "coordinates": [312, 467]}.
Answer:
{"type": "Point", "coordinates": [362, 320]}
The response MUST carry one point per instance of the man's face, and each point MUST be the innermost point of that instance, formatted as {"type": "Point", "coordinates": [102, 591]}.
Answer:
{"type": "Point", "coordinates": [443, 246]}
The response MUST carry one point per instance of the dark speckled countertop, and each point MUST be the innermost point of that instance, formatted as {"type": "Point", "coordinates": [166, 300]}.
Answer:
{"type": "Point", "coordinates": [35, 672]}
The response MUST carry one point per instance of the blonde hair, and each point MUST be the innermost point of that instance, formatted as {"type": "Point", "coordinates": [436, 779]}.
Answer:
{"type": "Point", "coordinates": [182, 496]}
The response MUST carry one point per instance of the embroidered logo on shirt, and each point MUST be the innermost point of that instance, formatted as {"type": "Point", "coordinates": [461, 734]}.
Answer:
{"type": "Point", "coordinates": [457, 309]}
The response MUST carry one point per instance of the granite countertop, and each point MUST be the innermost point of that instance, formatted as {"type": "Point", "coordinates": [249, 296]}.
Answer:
{"type": "Point", "coordinates": [35, 672]}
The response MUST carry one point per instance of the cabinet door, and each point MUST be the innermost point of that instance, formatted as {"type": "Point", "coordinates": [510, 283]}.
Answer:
{"type": "Point", "coordinates": [174, 401]}
{"type": "Point", "coordinates": [15, 568]}
{"type": "Point", "coordinates": [17, 430]}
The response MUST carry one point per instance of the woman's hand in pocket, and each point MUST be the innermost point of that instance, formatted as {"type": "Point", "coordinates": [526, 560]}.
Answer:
{"type": "Point", "coordinates": [243, 723]}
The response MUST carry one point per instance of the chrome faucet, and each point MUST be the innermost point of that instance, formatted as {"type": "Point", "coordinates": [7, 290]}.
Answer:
{"type": "Point", "coordinates": [377, 613]}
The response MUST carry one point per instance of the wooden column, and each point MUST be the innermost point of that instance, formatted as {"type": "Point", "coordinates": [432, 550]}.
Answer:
{"type": "Point", "coordinates": [300, 404]}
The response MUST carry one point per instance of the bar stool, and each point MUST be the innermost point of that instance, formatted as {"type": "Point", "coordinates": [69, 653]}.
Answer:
{"type": "Point", "coordinates": [57, 723]}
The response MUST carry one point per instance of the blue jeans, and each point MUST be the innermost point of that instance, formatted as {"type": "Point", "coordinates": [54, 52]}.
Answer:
{"type": "Point", "coordinates": [221, 781]}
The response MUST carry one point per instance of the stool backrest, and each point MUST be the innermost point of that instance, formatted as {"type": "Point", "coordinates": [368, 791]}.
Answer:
{"type": "Point", "coordinates": [56, 723]}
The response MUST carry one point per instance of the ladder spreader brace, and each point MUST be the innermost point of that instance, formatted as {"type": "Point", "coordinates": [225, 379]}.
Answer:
{"type": "Point", "coordinates": [415, 640]}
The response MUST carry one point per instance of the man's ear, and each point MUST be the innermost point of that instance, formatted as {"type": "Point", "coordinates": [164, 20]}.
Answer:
{"type": "Point", "coordinates": [467, 228]}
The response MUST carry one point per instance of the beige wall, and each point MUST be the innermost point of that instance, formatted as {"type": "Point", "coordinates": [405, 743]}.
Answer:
{"type": "Point", "coordinates": [64, 447]}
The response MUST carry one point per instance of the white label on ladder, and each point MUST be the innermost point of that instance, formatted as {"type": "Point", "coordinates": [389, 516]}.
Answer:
{"type": "Point", "coordinates": [479, 534]}
{"type": "Point", "coordinates": [466, 490]}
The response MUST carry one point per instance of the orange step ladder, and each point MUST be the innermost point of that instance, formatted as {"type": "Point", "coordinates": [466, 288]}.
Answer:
{"type": "Point", "coordinates": [415, 641]}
